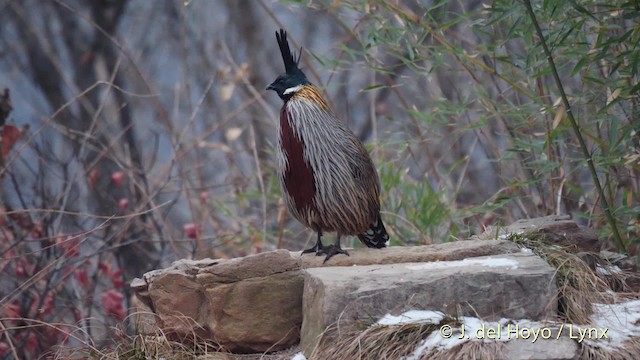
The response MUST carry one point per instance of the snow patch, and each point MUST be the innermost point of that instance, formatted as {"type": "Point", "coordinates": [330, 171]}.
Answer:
{"type": "Point", "coordinates": [622, 321]}
{"type": "Point", "coordinates": [607, 270]}
{"type": "Point", "coordinates": [526, 250]}
{"type": "Point", "coordinates": [488, 262]}
{"type": "Point", "coordinates": [299, 356]}
{"type": "Point", "coordinates": [410, 317]}
{"type": "Point", "coordinates": [471, 329]}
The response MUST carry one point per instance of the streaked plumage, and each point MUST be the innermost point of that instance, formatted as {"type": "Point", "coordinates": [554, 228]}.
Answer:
{"type": "Point", "coordinates": [328, 179]}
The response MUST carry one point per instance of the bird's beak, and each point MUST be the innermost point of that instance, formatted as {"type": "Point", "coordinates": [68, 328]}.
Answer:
{"type": "Point", "coordinates": [270, 87]}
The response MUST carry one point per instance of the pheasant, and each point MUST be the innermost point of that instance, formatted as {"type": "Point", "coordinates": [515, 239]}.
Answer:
{"type": "Point", "coordinates": [328, 180]}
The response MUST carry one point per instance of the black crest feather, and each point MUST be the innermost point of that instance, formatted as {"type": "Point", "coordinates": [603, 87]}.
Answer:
{"type": "Point", "coordinates": [289, 58]}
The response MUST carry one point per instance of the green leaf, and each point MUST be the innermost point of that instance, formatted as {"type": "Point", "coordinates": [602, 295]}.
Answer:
{"type": "Point", "coordinates": [373, 87]}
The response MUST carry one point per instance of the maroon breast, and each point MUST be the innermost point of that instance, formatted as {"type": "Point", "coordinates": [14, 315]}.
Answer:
{"type": "Point", "coordinates": [298, 175]}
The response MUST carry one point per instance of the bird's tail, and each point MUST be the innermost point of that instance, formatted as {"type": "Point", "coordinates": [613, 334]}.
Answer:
{"type": "Point", "coordinates": [376, 236]}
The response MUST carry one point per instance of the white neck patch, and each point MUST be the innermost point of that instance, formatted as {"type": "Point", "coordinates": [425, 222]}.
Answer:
{"type": "Point", "coordinates": [292, 89]}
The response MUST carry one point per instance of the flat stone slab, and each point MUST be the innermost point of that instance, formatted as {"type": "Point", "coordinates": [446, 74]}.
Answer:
{"type": "Point", "coordinates": [456, 250]}
{"type": "Point", "coordinates": [517, 286]}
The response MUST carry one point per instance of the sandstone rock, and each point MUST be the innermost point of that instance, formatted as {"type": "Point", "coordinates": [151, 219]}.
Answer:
{"type": "Point", "coordinates": [555, 229]}
{"type": "Point", "coordinates": [516, 286]}
{"type": "Point", "coordinates": [542, 349]}
{"type": "Point", "coordinates": [257, 314]}
{"type": "Point", "coordinates": [456, 250]}
{"type": "Point", "coordinates": [254, 304]}
{"type": "Point", "coordinates": [251, 304]}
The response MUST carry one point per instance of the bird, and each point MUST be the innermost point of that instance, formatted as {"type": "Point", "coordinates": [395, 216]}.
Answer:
{"type": "Point", "coordinates": [328, 180]}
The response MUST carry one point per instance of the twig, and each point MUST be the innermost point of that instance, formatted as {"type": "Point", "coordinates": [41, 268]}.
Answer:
{"type": "Point", "coordinates": [9, 341]}
{"type": "Point", "coordinates": [263, 190]}
{"type": "Point", "coordinates": [576, 130]}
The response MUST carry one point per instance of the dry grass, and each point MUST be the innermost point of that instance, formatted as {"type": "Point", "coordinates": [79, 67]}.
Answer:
{"type": "Point", "coordinates": [163, 344]}
{"type": "Point", "coordinates": [579, 285]}
{"type": "Point", "coordinates": [398, 341]}
{"type": "Point", "coordinates": [375, 342]}
{"type": "Point", "coordinates": [630, 351]}
{"type": "Point", "coordinates": [160, 344]}
{"type": "Point", "coordinates": [468, 350]}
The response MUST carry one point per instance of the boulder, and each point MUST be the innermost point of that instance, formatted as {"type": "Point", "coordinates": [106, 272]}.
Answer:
{"type": "Point", "coordinates": [250, 304]}
{"type": "Point", "coordinates": [555, 229]}
{"type": "Point", "coordinates": [517, 285]}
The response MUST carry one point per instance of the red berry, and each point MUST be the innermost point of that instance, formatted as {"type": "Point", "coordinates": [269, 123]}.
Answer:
{"type": "Point", "coordinates": [117, 178]}
{"type": "Point", "coordinates": [191, 230]}
{"type": "Point", "coordinates": [123, 204]}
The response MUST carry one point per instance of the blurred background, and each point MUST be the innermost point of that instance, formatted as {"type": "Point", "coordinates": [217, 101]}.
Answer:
{"type": "Point", "coordinates": [139, 132]}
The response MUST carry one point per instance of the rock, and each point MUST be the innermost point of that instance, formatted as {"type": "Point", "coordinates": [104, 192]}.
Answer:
{"type": "Point", "coordinates": [218, 356]}
{"type": "Point", "coordinates": [254, 304]}
{"type": "Point", "coordinates": [556, 229]}
{"type": "Point", "coordinates": [250, 304]}
{"type": "Point", "coordinates": [517, 286]}
{"type": "Point", "coordinates": [145, 318]}
{"type": "Point", "coordinates": [456, 250]}
{"type": "Point", "coordinates": [257, 314]}
{"type": "Point", "coordinates": [542, 349]}
{"type": "Point", "coordinates": [288, 354]}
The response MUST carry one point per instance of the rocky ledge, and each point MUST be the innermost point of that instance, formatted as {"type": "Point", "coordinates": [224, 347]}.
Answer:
{"type": "Point", "coordinates": [274, 300]}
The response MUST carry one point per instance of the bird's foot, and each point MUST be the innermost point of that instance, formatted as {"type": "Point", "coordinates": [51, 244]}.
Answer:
{"type": "Point", "coordinates": [313, 249]}
{"type": "Point", "coordinates": [330, 251]}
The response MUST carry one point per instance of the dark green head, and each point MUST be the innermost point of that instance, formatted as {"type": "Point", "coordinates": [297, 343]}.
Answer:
{"type": "Point", "coordinates": [293, 80]}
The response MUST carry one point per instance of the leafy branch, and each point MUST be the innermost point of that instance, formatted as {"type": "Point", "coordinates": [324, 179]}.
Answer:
{"type": "Point", "coordinates": [576, 130]}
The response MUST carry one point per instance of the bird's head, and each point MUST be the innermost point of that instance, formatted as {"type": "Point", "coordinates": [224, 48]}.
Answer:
{"type": "Point", "coordinates": [293, 79]}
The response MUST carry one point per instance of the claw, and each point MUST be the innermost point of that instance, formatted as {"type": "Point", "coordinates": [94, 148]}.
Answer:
{"type": "Point", "coordinates": [313, 249]}
{"type": "Point", "coordinates": [330, 251]}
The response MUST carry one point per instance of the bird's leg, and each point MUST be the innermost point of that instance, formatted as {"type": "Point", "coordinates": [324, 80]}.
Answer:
{"type": "Point", "coordinates": [317, 247]}
{"type": "Point", "coordinates": [332, 250]}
